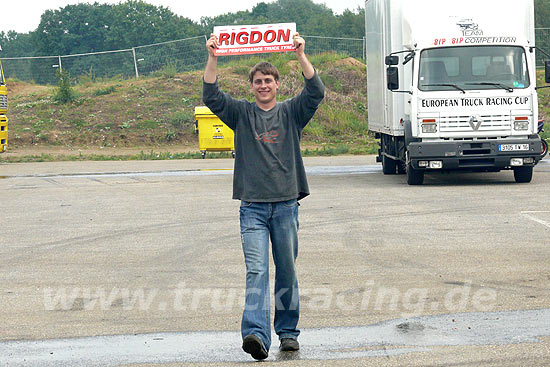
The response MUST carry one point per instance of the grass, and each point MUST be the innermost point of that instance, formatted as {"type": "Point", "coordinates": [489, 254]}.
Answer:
{"type": "Point", "coordinates": [331, 82]}
{"type": "Point", "coordinates": [180, 118]}
{"type": "Point", "coordinates": [104, 91]}
{"type": "Point", "coordinates": [159, 108]}
{"type": "Point", "coordinates": [167, 71]}
{"type": "Point", "coordinates": [103, 157]}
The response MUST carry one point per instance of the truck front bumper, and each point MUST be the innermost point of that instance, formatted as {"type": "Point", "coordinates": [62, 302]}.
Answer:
{"type": "Point", "coordinates": [484, 155]}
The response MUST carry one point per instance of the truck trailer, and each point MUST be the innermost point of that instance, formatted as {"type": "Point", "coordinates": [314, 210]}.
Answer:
{"type": "Point", "coordinates": [452, 86]}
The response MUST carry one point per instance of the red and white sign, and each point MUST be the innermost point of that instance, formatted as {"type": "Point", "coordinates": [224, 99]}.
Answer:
{"type": "Point", "coordinates": [252, 39]}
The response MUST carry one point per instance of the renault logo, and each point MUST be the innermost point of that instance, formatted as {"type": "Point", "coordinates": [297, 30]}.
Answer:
{"type": "Point", "coordinates": [475, 122]}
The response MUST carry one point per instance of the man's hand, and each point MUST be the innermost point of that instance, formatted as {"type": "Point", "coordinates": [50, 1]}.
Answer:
{"type": "Point", "coordinates": [212, 45]}
{"type": "Point", "coordinates": [212, 62]}
{"type": "Point", "coordinates": [299, 44]}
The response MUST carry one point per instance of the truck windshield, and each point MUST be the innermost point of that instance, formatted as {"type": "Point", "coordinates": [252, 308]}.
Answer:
{"type": "Point", "coordinates": [473, 67]}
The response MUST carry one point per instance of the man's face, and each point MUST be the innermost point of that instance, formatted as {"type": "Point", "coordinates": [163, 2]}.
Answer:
{"type": "Point", "coordinates": [264, 87]}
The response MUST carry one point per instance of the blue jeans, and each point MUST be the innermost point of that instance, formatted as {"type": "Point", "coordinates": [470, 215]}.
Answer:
{"type": "Point", "coordinates": [261, 222]}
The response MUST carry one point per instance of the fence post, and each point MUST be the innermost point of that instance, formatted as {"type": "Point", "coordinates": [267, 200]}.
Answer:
{"type": "Point", "coordinates": [135, 62]}
{"type": "Point", "coordinates": [364, 48]}
{"type": "Point", "coordinates": [60, 66]}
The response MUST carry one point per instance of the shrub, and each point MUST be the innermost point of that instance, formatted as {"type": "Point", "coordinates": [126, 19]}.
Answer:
{"type": "Point", "coordinates": [64, 92]}
{"type": "Point", "coordinates": [168, 71]}
{"type": "Point", "coordinates": [104, 91]}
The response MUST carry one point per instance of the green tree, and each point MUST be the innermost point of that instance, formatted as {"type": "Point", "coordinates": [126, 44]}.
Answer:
{"type": "Point", "coordinates": [83, 28]}
{"type": "Point", "coordinates": [542, 13]}
{"type": "Point", "coordinates": [73, 29]}
{"type": "Point", "coordinates": [310, 18]}
{"type": "Point", "coordinates": [16, 44]}
{"type": "Point", "coordinates": [137, 23]}
{"type": "Point", "coordinates": [352, 23]}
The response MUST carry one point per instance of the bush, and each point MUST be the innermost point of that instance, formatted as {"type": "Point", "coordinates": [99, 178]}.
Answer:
{"type": "Point", "coordinates": [64, 92]}
{"type": "Point", "coordinates": [104, 91]}
{"type": "Point", "coordinates": [168, 71]}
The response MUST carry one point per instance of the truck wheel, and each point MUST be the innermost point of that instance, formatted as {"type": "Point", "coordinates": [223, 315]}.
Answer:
{"type": "Point", "coordinates": [544, 148]}
{"type": "Point", "coordinates": [523, 174]}
{"type": "Point", "coordinates": [414, 176]}
{"type": "Point", "coordinates": [401, 167]}
{"type": "Point", "coordinates": [388, 165]}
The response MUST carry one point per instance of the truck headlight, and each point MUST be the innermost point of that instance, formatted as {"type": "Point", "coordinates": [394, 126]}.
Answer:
{"type": "Point", "coordinates": [515, 162]}
{"type": "Point", "coordinates": [436, 164]}
{"type": "Point", "coordinates": [429, 128]}
{"type": "Point", "coordinates": [521, 125]}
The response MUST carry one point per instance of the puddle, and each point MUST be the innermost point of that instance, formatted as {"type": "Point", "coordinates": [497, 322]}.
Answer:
{"type": "Point", "coordinates": [388, 338]}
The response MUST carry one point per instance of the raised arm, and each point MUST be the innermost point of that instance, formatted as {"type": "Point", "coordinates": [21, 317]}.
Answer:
{"type": "Point", "coordinates": [300, 45]}
{"type": "Point", "coordinates": [220, 103]}
{"type": "Point", "coordinates": [212, 63]}
{"type": "Point", "coordinates": [305, 104]}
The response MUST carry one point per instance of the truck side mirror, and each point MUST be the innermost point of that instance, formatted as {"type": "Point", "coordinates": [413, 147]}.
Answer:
{"type": "Point", "coordinates": [392, 74]}
{"type": "Point", "coordinates": [392, 60]}
{"type": "Point", "coordinates": [547, 71]}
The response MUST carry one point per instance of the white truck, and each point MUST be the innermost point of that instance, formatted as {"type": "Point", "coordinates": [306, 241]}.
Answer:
{"type": "Point", "coordinates": [452, 86]}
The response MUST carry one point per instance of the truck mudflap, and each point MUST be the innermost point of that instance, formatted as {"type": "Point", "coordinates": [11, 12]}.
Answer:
{"type": "Point", "coordinates": [487, 155]}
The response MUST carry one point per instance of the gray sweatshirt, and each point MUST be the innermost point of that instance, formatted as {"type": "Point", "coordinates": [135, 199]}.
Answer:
{"type": "Point", "coordinates": [268, 161]}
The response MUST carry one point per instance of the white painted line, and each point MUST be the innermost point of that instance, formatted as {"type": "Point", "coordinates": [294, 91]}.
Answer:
{"type": "Point", "coordinates": [527, 214]}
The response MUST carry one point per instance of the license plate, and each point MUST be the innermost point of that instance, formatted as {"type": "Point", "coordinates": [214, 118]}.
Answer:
{"type": "Point", "coordinates": [513, 147]}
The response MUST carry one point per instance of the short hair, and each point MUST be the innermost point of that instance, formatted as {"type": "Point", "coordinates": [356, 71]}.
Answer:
{"type": "Point", "coordinates": [265, 68]}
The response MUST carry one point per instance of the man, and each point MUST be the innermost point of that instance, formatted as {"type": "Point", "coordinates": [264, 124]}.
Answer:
{"type": "Point", "coordinates": [269, 179]}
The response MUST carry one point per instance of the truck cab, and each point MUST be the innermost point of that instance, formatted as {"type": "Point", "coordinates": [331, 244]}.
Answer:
{"type": "Point", "coordinates": [3, 112]}
{"type": "Point", "coordinates": [453, 87]}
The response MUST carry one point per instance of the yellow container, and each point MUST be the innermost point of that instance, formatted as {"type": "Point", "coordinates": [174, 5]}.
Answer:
{"type": "Point", "coordinates": [214, 135]}
{"type": "Point", "coordinates": [3, 133]}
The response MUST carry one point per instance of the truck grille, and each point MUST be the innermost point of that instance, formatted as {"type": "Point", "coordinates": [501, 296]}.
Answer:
{"type": "Point", "coordinates": [3, 102]}
{"type": "Point", "coordinates": [456, 124]}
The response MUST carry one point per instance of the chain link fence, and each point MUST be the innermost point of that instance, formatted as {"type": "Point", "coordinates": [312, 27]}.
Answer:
{"type": "Point", "coordinates": [179, 55]}
{"type": "Point", "coordinates": [542, 40]}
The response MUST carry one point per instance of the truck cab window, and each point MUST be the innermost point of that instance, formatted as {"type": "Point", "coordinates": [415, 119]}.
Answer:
{"type": "Point", "coordinates": [465, 67]}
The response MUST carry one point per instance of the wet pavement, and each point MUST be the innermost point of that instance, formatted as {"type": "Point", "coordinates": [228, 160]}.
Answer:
{"type": "Point", "coordinates": [388, 338]}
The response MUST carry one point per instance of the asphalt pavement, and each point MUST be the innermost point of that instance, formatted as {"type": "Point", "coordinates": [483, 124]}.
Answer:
{"type": "Point", "coordinates": [140, 263]}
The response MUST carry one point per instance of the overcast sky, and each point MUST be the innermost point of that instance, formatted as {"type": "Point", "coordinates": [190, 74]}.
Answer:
{"type": "Point", "coordinates": [24, 15]}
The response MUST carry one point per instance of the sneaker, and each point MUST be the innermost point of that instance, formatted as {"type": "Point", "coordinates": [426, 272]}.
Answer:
{"type": "Point", "coordinates": [254, 346]}
{"type": "Point", "coordinates": [289, 345]}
